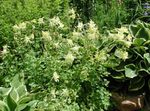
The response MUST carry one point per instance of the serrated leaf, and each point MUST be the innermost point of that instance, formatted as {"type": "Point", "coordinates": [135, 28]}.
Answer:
{"type": "Point", "coordinates": [136, 84]}
{"type": "Point", "coordinates": [147, 57]}
{"type": "Point", "coordinates": [130, 71]}
{"type": "Point", "coordinates": [3, 106]}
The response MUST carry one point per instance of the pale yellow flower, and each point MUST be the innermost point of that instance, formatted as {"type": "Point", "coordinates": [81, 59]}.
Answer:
{"type": "Point", "coordinates": [56, 77]}
{"type": "Point", "coordinates": [70, 42]}
{"type": "Point", "coordinates": [121, 54]}
{"type": "Point", "coordinates": [41, 20]}
{"type": "Point", "coordinates": [5, 50]}
{"type": "Point", "coordinates": [46, 36]}
{"type": "Point", "coordinates": [75, 49]}
{"type": "Point", "coordinates": [69, 58]}
{"type": "Point", "coordinates": [72, 13]}
{"type": "Point", "coordinates": [22, 25]}
{"type": "Point", "coordinates": [80, 26]}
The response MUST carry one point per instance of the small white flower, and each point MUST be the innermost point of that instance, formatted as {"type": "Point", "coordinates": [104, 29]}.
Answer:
{"type": "Point", "coordinates": [75, 49]}
{"type": "Point", "coordinates": [46, 36]}
{"type": "Point", "coordinates": [5, 50]}
{"type": "Point", "coordinates": [53, 93]}
{"type": "Point", "coordinates": [121, 54]}
{"type": "Point", "coordinates": [72, 13]}
{"type": "Point", "coordinates": [41, 20]}
{"type": "Point", "coordinates": [56, 77]}
{"type": "Point", "coordinates": [70, 42]}
{"type": "Point", "coordinates": [76, 35]}
{"type": "Point", "coordinates": [16, 27]}
{"type": "Point", "coordinates": [92, 27]}
{"type": "Point", "coordinates": [80, 26]}
{"type": "Point", "coordinates": [28, 39]}
{"type": "Point", "coordinates": [56, 45]}
{"type": "Point", "coordinates": [55, 21]}
{"type": "Point", "coordinates": [33, 21]}
{"type": "Point", "coordinates": [65, 92]}
{"type": "Point", "coordinates": [69, 58]}
{"type": "Point", "coordinates": [22, 25]}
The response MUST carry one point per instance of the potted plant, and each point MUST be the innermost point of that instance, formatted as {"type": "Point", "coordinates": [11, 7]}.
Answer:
{"type": "Point", "coordinates": [129, 66]}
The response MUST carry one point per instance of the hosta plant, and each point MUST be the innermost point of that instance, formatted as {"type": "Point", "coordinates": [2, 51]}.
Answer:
{"type": "Point", "coordinates": [130, 66]}
{"type": "Point", "coordinates": [16, 98]}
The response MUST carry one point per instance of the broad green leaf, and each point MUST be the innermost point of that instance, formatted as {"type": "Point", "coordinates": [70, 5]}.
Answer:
{"type": "Point", "coordinates": [133, 29]}
{"type": "Point", "coordinates": [147, 57]}
{"type": "Point", "coordinates": [22, 91]}
{"type": "Point", "coordinates": [118, 75]}
{"type": "Point", "coordinates": [130, 71]}
{"type": "Point", "coordinates": [11, 103]}
{"type": "Point", "coordinates": [143, 72]}
{"type": "Point", "coordinates": [24, 99]}
{"type": "Point", "coordinates": [138, 41]}
{"type": "Point", "coordinates": [136, 84]}
{"type": "Point", "coordinates": [15, 82]}
{"type": "Point", "coordinates": [14, 94]}
{"type": "Point", "coordinates": [143, 33]}
{"type": "Point", "coordinates": [4, 91]}
{"type": "Point", "coordinates": [3, 106]}
{"type": "Point", "coordinates": [21, 107]}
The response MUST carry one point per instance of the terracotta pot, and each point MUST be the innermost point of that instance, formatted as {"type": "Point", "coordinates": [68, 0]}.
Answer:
{"type": "Point", "coordinates": [128, 103]}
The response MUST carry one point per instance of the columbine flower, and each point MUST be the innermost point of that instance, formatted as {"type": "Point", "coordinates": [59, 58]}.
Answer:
{"type": "Point", "coordinates": [69, 58]}
{"type": "Point", "coordinates": [55, 21]}
{"type": "Point", "coordinates": [70, 42]}
{"type": "Point", "coordinates": [33, 21]}
{"type": "Point", "coordinates": [56, 77]}
{"type": "Point", "coordinates": [80, 26]}
{"type": "Point", "coordinates": [5, 50]}
{"type": "Point", "coordinates": [65, 92]}
{"type": "Point", "coordinates": [56, 45]}
{"type": "Point", "coordinates": [75, 49]}
{"type": "Point", "coordinates": [46, 36]}
{"type": "Point", "coordinates": [28, 39]}
{"type": "Point", "coordinates": [22, 25]}
{"type": "Point", "coordinates": [72, 13]}
{"type": "Point", "coordinates": [76, 35]}
{"type": "Point", "coordinates": [15, 27]}
{"type": "Point", "coordinates": [41, 20]}
{"type": "Point", "coordinates": [121, 54]}
{"type": "Point", "coordinates": [92, 27]}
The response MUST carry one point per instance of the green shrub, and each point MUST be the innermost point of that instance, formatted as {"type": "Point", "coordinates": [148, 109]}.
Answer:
{"type": "Point", "coordinates": [62, 65]}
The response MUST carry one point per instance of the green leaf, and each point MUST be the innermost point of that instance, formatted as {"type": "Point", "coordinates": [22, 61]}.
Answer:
{"type": "Point", "coordinates": [112, 62]}
{"type": "Point", "coordinates": [118, 75]}
{"type": "Point", "coordinates": [147, 57]}
{"type": "Point", "coordinates": [149, 83]}
{"type": "Point", "coordinates": [130, 71]}
{"type": "Point", "coordinates": [14, 94]}
{"type": "Point", "coordinates": [143, 72]}
{"type": "Point", "coordinates": [138, 41]}
{"type": "Point", "coordinates": [3, 106]}
{"type": "Point", "coordinates": [4, 91]}
{"type": "Point", "coordinates": [22, 107]}
{"type": "Point", "coordinates": [15, 82]}
{"type": "Point", "coordinates": [136, 84]}
{"type": "Point", "coordinates": [143, 33]}
{"type": "Point", "coordinates": [11, 103]}
{"type": "Point", "coordinates": [25, 99]}
{"type": "Point", "coordinates": [22, 91]}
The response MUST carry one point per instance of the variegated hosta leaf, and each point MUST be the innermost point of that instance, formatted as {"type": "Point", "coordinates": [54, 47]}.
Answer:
{"type": "Point", "coordinates": [147, 57]}
{"type": "Point", "coordinates": [3, 106]}
{"type": "Point", "coordinates": [130, 71]}
{"type": "Point", "coordinates": [136, 84]}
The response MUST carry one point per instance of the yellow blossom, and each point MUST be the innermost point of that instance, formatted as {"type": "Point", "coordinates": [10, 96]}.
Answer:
{"type": "Point", "coordinates": [69, 58]}
{"type": "Point", "coordinates": [46, 36]}
{"type": "Point", "coordinates": [56, 77]}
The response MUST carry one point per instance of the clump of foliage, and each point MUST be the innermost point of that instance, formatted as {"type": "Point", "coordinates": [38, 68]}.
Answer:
{"type": "Point", "coordinates": [16, 11]}
{"type": "Point", "coordinates": [16, 98]}
{"type": "Point", "coordinates": [62, 65]}
{"type": "Point", "coordinates": [128, 59]}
